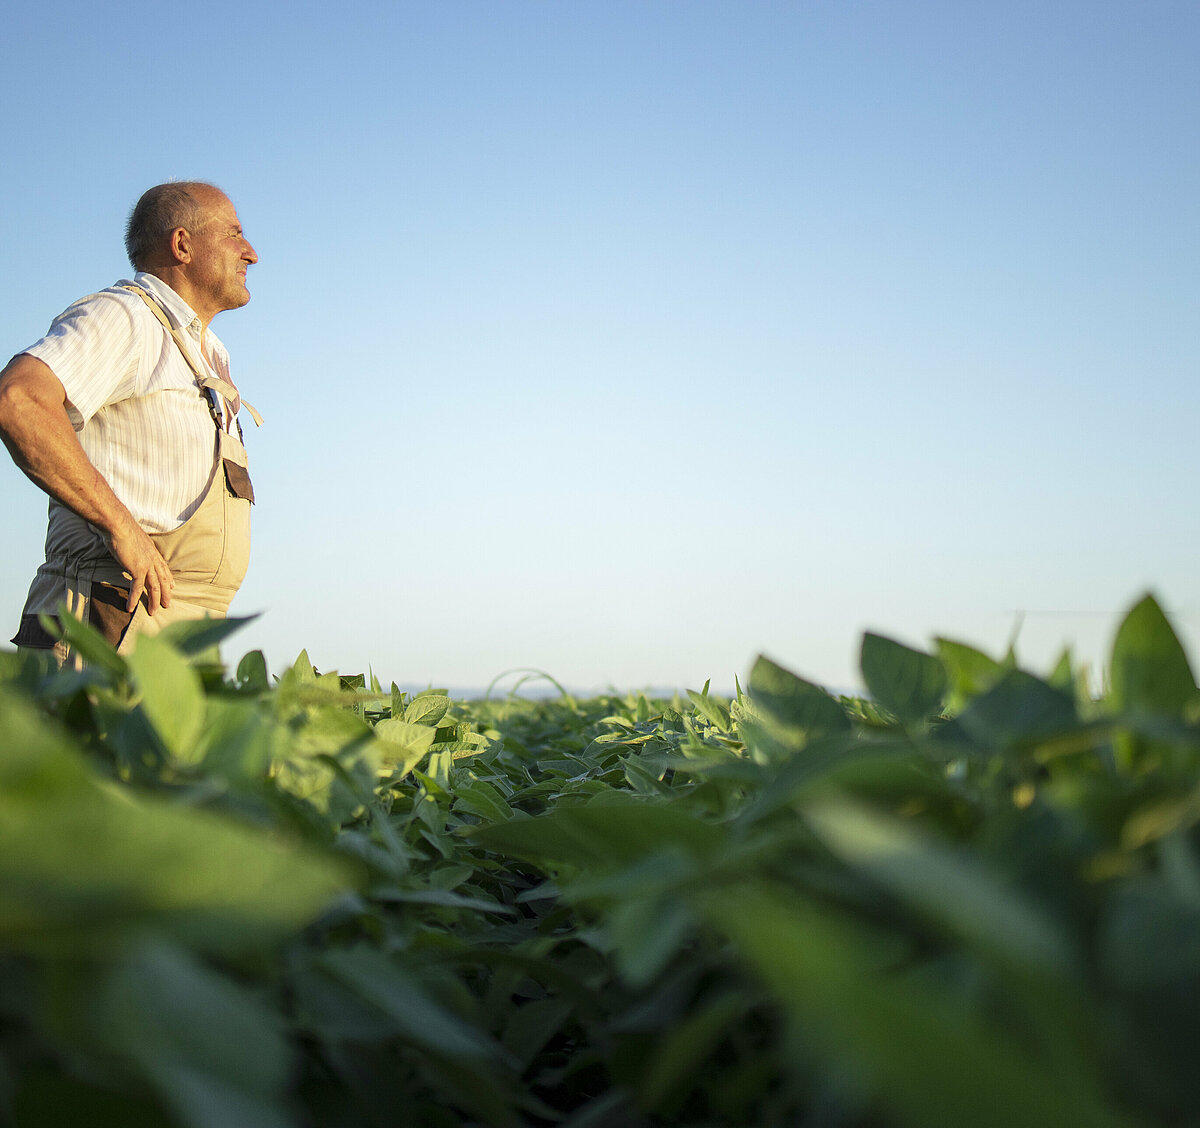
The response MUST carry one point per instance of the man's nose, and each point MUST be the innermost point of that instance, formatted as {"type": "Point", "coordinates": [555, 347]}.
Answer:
{"type": "Point", "coordinates": [249, 254]}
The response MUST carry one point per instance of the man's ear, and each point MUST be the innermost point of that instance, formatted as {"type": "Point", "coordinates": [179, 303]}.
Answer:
{"type": "Point", "coordinates": [181, 245]}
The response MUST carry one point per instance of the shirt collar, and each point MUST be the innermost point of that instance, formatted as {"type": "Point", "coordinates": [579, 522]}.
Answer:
{"type": "Point", "coordinates": [181, 315]}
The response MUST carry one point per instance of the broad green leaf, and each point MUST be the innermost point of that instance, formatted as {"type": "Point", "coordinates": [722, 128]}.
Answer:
{"type": "Point", "coordinates": [1148, 938]}
{"type": "Point", "coordinates": [419, 1018]}
{"type": "Point", "coordinates": [928, 1060]}
{"type": "Point", "coordinates": [910, 684]}
{"type": "Point", "coordinates": [443, 899]}
{"type": "Point", "coordinates": [794, 709]}
{"type": "Point", "coordinates": [239, 741]}
{"type": "Point", "coordinates": [303, 668]}
{"type": "Point", "coordinates": [403, 743]}
{"type": "Point", "coordinates": [946, 886]}
{"type": "Point", "coordinates": [532, 1025]}
{"type": "Point", "coordinates": [604, 835]}
{"type": "Point", "coordinates": [329, 729]}
{"type": "Point", "coordinates": [397, 707]}
{"type": "Point", "coordinates": [341, 765]}
{"type": "Point", "coordinates": [969, 671]}
{"type": "Point", "coordinates": [648, 933]}
{"type": "Point", "coordinates": [172, 696]}
{"type": "Point", "coordinates": [710, 709]}
{"type": "Point", "coordinates": [482, 799]}
{"type": "Point", "coordinates": [1150, 961]}
{"type": "Point", "coordinates": [1063, 676]}
{"type": "Point", "coordinates": [85, 641]}
{"type": "Point", "coordinates": [37, 760]}
{"type": "Point", "coordinates": [1019, 711]}
{"type": "Point", "coordinates": [195, 636]}
{"type": "Point", "coordinates": [84, 865]}
{"type": "Point", "coordinates": [252, 671]}
{"type": "Point", "coordinates": [1150, 671]}
{"type": "Point", "coordinates": [685, 1048]}
{"type": "Point", "coordinates": [212, 1053]}
{"type": "Point", "coordinates": [427, 709]}
{"type": "Point", "coordinates": [439, 767]}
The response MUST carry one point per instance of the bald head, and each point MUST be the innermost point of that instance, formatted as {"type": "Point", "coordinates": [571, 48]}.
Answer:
{"type": "Point", "coordinates": [162, 210]}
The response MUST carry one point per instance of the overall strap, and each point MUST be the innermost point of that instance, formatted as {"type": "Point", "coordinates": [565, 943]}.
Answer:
{"type": "Point", "coordinates": [222, 387]}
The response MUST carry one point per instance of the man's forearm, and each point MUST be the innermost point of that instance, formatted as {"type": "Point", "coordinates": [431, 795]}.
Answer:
{"type": "Point", "coordinates": [35, 428]}
{"type": "Point", "coordinates": [37, 431]}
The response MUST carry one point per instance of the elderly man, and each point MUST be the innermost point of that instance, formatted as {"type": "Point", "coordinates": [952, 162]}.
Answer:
{"type": "Point", "coordinates": [125, 414]}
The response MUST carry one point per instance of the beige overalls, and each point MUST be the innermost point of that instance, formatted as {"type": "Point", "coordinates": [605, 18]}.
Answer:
{"type": "Point", "coordinates": [208, 554]}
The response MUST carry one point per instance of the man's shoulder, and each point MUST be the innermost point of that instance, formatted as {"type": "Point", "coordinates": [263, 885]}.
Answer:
{"type": "Point", "coordinates": [102, 302]}
{"type": "Point", "coordinates": [106, 320]}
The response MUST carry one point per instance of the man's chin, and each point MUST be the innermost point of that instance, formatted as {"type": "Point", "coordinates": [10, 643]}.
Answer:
{"type": "Point", "coordinates": [236, 301]}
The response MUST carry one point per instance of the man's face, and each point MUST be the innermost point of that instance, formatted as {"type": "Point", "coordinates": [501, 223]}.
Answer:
{"type": "Point", "coordinates": [220, 256]}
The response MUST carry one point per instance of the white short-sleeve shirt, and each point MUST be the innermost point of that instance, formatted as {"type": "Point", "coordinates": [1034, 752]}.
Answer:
{"type": "Point", "coordinates": [142, 419]}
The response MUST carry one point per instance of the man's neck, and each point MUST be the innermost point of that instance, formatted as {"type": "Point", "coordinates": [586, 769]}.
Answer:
{"type": "Point", "coordinates": [178, 282]}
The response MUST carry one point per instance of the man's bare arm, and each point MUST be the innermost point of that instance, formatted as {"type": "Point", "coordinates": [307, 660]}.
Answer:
{"type": "Point", "coordinates": [35, 427]}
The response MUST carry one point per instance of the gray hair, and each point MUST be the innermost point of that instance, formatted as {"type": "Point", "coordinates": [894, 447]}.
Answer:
{"type": "Point", "coordinates": [160, 211]}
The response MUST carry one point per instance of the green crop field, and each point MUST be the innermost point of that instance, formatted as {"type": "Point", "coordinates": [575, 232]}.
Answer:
{"type": "Point", "coordinates": [229, 900]}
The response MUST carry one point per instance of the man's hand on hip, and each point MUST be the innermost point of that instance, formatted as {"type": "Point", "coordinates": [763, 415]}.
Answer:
{"type": "Point", "coordinates": [144, 564]}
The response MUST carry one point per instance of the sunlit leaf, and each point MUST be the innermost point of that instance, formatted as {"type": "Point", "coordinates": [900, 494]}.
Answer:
{"type": "Point", "coordinates": [1150, 670]}
{"type": "Point", "coordinates": [404, 744]}
{"type": "Point", "coordinates": [172, 696]}
{"type": "Point", "coordinates": [911, 684]}
{"type": "Point", "coordinates": [427, 709]}
{"type": "Point", "coordinates": [796, 710]}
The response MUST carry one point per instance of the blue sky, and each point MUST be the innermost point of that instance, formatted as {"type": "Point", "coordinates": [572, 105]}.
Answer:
{"type": "Point", "coordinates": [627, 340]}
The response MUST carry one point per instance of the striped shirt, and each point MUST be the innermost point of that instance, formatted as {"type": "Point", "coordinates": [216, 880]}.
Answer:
{"type": "Point", "coordinates": [142, 420]}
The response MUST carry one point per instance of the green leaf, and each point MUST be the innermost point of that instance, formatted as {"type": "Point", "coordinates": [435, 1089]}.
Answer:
{"type": "Point", "coordinates": [441, 898]}
{"type": "Point", "coordinates": [710, 708]}
{"type": "Point", "coordinates": [38, 762]}
{"type": "Point", "coordinates": [907, 682]}
{"type": "Point", "coordinates": [1150, 671]}
{"type": "Point", "coordinates": [439, 767]}
{"type": "Point", "coordinates": [303, 668]}
{"type": "Point", "coordinates": [252, 672]}
{"type": "Point", "coordinates": [685, 1047]}
{"type": "Point", "coordinates": [397, 706]}
{"type": "Point", "coordinates": [418, 1017]}
{"type": "Point", "coordinates": [1062, 676]}
{"type": "Point", "coordinates": [239, 742]}
{"type": "Point", "coordinates": [794, 709]}
{"type": "Point", "coordinates": [211, 1052]}
{"type": "Point", "coordinates": [484, 800]}
{"type": "Point", "coordinates": [1020, 711]}
{"type": "Point", "coordinates": [172, 696]}
{"type": "Point", "coordinates": [604, 835]}
{"type": "Point", "coordinates": [532, 1025]}
{"type": "Point", "coordinates": [427, 709]}
{"type": "Point", "coordinates": [927, 1059]}
{"type": "Point", "coordinates": [87, 642]}
{"type": "Point", "coordinates": [1148, 938]}
{"type": "Point", "coordinates": [1150, 961]}
{"type": "Point", "coordinates": [403, 743]}
{"type": "Point", "coordinates": [969, 671]}
{"type": "Point", "coordinates": [946, 886]}
{"type": "Point", "coordinates": [647, 932]}
{"type": "Point", "coordinates": [195, 636]}
{"type": "Point", "coordinates": [85, 865]}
